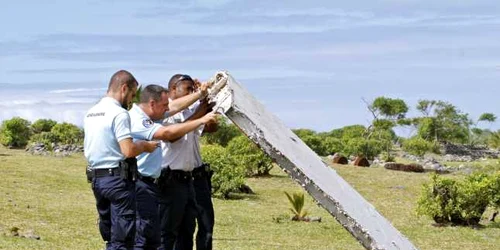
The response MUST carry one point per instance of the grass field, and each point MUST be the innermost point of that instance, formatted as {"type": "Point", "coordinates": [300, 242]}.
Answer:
{"type": "Point", "coordinates": [49, 196]}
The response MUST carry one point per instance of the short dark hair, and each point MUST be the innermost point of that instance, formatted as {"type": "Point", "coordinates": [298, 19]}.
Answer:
{"type": "Point", "coordinates": [152, 92]}
{"type": "Point", "coordinates": [177, 79]}
{"type": "Point", "coordinates": [122, 77]}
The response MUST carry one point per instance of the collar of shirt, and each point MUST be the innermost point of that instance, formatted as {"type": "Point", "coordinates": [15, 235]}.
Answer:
{"type": "Point", "coordinates": [135, 108]}
{"type": "Point", "coordinates": [111, 100]}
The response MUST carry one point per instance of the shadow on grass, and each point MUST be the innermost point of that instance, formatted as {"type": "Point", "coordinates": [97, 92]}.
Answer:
{"type": "Point", "coordinates": [486, 225]}
{"type": "Point", "coordinates": [269, 176]}
{"type": "Point", "coordinates": [437, 171]}
{"type": "Point", "coordinates": [492, 225]}
{"type": "Point", "coordinates": [240, 196]}
{"type": "Point", "coordinates": [5, 154]}
{"type": "Point", "coordinates": [254, 240]}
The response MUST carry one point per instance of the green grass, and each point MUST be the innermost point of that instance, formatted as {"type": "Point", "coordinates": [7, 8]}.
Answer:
{"type": "Point", "coordinates": [50, 196]}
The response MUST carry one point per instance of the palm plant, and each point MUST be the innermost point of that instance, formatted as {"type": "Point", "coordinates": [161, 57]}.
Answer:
{"type": "Point", "coordinates": [297, 202]}
{"type": "Point", "coordinates": [494, 140]}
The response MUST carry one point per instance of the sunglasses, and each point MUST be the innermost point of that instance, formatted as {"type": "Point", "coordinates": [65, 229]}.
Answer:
{"type": "Point", "coordinates": [184, 78]}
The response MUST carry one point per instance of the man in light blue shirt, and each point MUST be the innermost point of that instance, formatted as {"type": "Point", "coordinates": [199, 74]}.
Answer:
{"type": "Point", "coordinates": [107, 143]}
{"type": "Point", "coordinates": [154, 103]}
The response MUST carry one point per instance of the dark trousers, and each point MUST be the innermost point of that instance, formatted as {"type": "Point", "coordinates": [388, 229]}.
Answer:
{"type": "Point", "coordinates": [115, 201]}
{"type": "Point", "coordinates": [203, 190]}
{"type": "Point", "coordinates": [148, 216]}
{"type": "Point", "coordinates": [178, 213]}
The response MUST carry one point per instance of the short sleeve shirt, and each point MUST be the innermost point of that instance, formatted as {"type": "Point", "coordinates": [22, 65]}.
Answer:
{"type": "Point", "coordinates": [183, 154]}
{"type": "Point", "coordinates": [105, 125]}
{"type": "Point", "coordinates": [143, 128]}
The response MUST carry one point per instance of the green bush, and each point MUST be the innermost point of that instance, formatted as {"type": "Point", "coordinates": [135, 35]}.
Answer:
{"type": "Point", "coordinates": [438, 199]}
{"type": "Point", "coordinates": [226, 131]}
{"type": "Point", "coordinates": [247, 154]}
{"type": "Point", "coordinates": [303, 132]}
{"type": "Point", "coordinates": [67, 133]}
{"type": "Point", "coordinates": [15, 132]}
{"type": "Point", "coordinates": [315, 142]}
{"type": "Point", "coordinates": [368, 148]}
{"type": "Point", "coordinates": [387, 157]}
{"type": "Point", "coordinates": [228, 175]}
{"type": "Point", "coordinates": [495, 190]}
{"type": "Point", "coordinates": [47, 138]}
{"type": "Point", "coordinates": [458, 202]}
{"type": "Point", "coordinates": [417, 146]}
{"type": "Point", "coordinates": [332, 145]}
{"type": "Point", "coordinates": [473, 198]}
{"type": "Point", "coordinates": [42, 125]}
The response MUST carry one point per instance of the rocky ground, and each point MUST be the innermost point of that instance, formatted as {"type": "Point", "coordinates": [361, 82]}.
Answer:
{"type": "Point", "coordinates": [54, 149]}
{"type": "Point", "coordinates": [465, 154]}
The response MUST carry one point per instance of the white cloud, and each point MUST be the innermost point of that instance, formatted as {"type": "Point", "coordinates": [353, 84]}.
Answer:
{"type": "Point", "coordinates": [61, 91]}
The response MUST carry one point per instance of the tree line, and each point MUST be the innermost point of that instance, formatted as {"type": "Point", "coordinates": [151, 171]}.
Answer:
{"type": "Point", "coordinates": [234, 157]}
{"type": "Point", "coordinates": [18, 132]}
{"type": "Point", "coordinates": [437, 122]}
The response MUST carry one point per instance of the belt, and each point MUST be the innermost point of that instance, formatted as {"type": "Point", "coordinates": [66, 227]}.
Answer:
{"type": "Point", "coordinates": [181, 175]}
{"type": "Point", "coordinates": [200, 172]}
{"type": "Point", "coordinates": [107, 172]}
{"type": "Point", "coordinates": [147, 179]}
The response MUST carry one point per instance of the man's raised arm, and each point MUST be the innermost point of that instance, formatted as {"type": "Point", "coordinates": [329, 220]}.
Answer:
{"type": "Point", "coordinates": [179, 104]}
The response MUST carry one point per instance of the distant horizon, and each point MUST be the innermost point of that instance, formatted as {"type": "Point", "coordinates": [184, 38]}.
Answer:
{"type": "Point", "coordinates": [310, 63]}
{"type": "Point", "coordinates": [404, 131]}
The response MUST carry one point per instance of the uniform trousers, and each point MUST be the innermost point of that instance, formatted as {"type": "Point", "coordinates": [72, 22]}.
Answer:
{"type": "Point", "coordinates": [177, 211]}
{"type": "Point", "coordinates": [203, 189]}
{"type": "Point", "coordinates": [148, 217]}
{"type": "Point", "coordinates": [115, 202]}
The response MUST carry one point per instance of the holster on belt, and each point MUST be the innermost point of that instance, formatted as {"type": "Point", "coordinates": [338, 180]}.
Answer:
{"type": "Point", "coordinates": [89, 173]}
{"type": "Point", "coordinates": [164, 176]}
{"type": "Point", "coordinates": [128, 168]}
{"type": "Point", "coordinates": [203, 171]}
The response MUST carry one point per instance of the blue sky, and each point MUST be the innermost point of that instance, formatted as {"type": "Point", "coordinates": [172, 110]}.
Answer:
{"type": "Point", "coordinates": [309, 62]}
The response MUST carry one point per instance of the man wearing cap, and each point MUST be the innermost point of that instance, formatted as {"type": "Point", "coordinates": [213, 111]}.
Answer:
{"type": "Point", "coordinates": [178, 207]}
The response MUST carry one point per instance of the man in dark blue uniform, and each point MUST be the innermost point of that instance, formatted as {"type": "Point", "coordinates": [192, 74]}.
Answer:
{"type": "Point", "coordinates": [152, 107]}
{"type": "Point", "coordinates": [106, 146]}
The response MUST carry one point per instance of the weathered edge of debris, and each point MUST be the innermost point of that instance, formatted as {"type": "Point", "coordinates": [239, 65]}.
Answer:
{"type": "Point", "coordinates": [332, 192]}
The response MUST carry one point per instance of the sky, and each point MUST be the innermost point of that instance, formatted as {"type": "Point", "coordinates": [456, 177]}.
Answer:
{"type": "Point", "coordinates": [310, 62]}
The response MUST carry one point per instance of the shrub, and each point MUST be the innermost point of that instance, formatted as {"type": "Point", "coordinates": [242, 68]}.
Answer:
{"type": "Point", "coordinates": [385, 156]}
{"type": "Point", "coordinates": [462, 203]}
{"type": "Point", "coordinates": [438, 199]}
{"type": "Point", "coordinates": [417, 146]}
{"type": "Point", "coordinates": [315, 142]}
{"type": "Point", "coordinates": [226, 131]}
{"type": "Point", "coordinates": [495, 194]}
{"type": "Point", "coordinates": [332, 145]}
{"type": "Point", "coordinates": [47, 138]}
{"type": "Point", "coordinates": [247, 154]}
{"type": "Point", "coordinates": [303, 132]}
{"type": "Point", "coordinates": [67, 133]}
{"type": "Point", "coordinates": [42, 125]}
{"type": "Point", "coordinates": [368, 148]}
{"type": "Point", "coordinates": [473, 198]}
{"type": "Point", "coordinates": [15, 132]}
{"type": "Point", "coordinates": [495, 190]}
{"type": "Point", "coordinates": [228, 175]}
